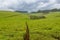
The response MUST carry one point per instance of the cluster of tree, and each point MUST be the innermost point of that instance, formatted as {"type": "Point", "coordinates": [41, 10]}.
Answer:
{"type": "Point", "coordinates": [47, 11]}
{"type": "Point", "coordinates": [42, 11]}
{"type": "Point", "coordinates": [21, 11]}
{"type": "Point", "coordinates": [37, 17]}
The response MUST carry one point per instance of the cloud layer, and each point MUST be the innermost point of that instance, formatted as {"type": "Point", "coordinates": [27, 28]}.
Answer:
{"type": "Point", "coordinates": [29, 5]}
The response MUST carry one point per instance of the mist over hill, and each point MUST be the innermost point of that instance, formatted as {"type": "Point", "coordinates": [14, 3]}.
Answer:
{"type": "Point", "coordinates": [41, 11]}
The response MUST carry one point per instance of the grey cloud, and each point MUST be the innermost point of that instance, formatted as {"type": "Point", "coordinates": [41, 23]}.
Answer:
{"type": "Point", "coordinates": [28, 5]}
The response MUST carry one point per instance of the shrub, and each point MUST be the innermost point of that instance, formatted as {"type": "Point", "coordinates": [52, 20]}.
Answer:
{"type": "Point", "coordinates": [37, 17]}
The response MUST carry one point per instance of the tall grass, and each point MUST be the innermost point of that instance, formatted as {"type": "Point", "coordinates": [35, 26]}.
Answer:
{"type": "Point", "coordinates": [13, 28]}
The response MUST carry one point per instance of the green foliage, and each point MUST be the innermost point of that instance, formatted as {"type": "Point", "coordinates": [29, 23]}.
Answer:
{"type": "Point", "coordinates": [37, 17]}
{"type": "Point", "coordinates": [12, 26]}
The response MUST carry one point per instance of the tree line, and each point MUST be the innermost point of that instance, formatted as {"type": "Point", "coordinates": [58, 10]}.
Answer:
{"type": "Point", "coordinates": [41, 11]}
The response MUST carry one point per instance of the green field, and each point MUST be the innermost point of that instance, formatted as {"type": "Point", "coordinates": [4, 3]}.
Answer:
{"type": "Point", "coordinates": [12, 26]}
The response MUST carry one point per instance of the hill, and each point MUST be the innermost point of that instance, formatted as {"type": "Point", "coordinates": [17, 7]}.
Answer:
{"type": "Point", "coordinates": [12, 26]}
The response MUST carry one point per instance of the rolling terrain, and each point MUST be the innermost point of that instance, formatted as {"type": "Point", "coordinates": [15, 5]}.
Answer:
{"type": "Point", "coordinates": [13, 27]}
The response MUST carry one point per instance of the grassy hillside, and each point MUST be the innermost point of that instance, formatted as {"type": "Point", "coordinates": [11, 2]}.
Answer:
{"type": "Point", "coordinates": [12, 26]}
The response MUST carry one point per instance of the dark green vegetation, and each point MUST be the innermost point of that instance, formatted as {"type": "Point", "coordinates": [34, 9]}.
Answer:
{"type": "Point", "coordinates": [33, 17]}
{"type": "Point", "coordinates": [12, 26]}
{"type": "Point", "coordinates": [41, 11]}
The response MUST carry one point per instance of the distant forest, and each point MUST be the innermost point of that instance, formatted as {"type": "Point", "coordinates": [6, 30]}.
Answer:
{"type": "Point", "coordinates": [41, 11]}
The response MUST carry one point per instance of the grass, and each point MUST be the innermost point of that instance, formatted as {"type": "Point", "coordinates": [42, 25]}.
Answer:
{"type": "Point", "coordinates": [12, 26]}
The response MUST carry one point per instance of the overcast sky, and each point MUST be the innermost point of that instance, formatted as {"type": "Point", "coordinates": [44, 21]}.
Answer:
{"type": "Point", "coordinates": [29, 5]}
